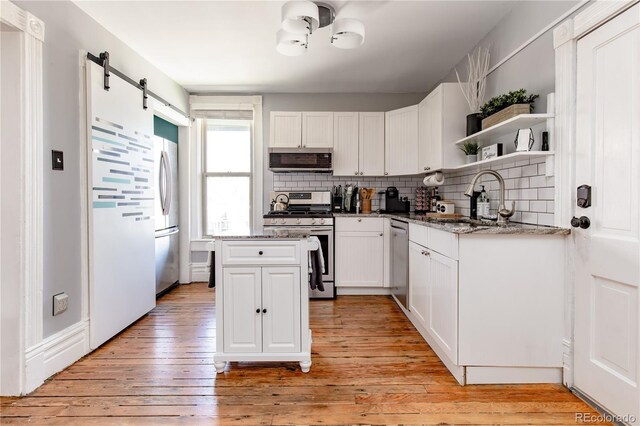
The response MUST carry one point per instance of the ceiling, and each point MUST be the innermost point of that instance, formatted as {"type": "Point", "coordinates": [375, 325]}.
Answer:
{"type": "Point", "coordinates": [229, 46]}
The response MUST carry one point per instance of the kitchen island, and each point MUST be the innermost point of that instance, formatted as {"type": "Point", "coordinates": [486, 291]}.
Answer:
{"type": "Point", "coordinates": [262, 298]}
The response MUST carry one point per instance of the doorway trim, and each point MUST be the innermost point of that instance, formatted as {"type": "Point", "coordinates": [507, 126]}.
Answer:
{"type": "Point", "coordinates": [565, 43]}
{"type": "Point", "coordinates": [28, 297]}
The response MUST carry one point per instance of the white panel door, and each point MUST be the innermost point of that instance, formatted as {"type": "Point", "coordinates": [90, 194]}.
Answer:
{"type": "Point", "coordinates": [401, 141]}
{"type": "Point", "coordinates": [371, 142]}
{"type": "Point", "coordinates": [345, 144]}
{"type": "Point", "coordinates": [607, 257]}
{"type": "Point", "coordinates": [435, 144]}
{"type": "Point", "coordinates": [317, 129]}
{"type": "Point", "coordinates": [242, 309]}
{"type": "Point", "coordinates": [359, 259]}
{"type": "Point", "coordinates": [286, 129]}
{"type": "Point", "coordinates": [281, 309]}
{"type": "Point", "coordinates": [442, 320]}
{"type": "Point", "coordinates": [418, 279]}
{"type": "Point", "coordinates": [120, 156]}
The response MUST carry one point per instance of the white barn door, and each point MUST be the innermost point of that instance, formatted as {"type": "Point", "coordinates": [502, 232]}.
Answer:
{"type": "Point", "coordinates": [608, 256]}
{"type": "Point", "coordinates": [121, 206]}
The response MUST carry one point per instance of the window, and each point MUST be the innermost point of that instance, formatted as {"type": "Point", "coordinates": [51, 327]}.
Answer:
{"type": "Point", "coordinates": [227, 172]}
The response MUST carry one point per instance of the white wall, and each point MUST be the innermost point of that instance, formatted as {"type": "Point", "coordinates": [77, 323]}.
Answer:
{"type": "Point", "coordinates": [67, 31]}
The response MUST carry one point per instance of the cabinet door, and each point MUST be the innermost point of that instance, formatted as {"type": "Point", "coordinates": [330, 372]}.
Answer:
{"type": "Point", "coordinates": [345, 144]}
{"type": "Point", "coordinates": [418, 278]}
{"type": "Point", "coordinates": [442, 321]}
{"type": "Point", "coordinates": [281, 309]}
{"type": "Point", "coordinates": [317, 130]}
{"type": "Point", "coordinates": [359, 259]}
{"type": "Point", "coordinates": [371, 142]}
{"type": "Point", "coordinates": [401, 141]}
{"type": "Point", "coordinates": [242, 304]}
{"type": "Point", "coordinates": [424, 134]}
{"type": "Point", "coordinates": [286, 129]}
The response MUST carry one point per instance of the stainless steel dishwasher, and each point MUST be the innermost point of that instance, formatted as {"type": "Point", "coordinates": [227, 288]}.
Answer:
{"type": "Point", "coordinates": [400, 261]}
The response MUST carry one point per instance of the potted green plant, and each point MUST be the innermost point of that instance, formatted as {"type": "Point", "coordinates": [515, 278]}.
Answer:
{"type": "Point", "coordinates": [506, 106]}
{"type": "Point", "coordinates": [470, 150]}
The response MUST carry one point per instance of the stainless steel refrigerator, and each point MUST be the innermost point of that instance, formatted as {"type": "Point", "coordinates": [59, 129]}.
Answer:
{"type": "Point", "coordinates": [166, 213]}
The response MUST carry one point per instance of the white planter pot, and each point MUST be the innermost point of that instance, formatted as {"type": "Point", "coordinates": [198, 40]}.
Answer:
{"type": "Point", "coordinates": [471, 158]}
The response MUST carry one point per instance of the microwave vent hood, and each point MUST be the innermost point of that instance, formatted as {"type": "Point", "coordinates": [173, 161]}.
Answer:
{"type": "Point", "coordinates": [309, 160]}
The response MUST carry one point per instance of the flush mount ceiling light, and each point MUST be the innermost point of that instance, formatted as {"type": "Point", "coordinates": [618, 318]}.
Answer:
{"type": "Point", "coordinates": [300, 18]}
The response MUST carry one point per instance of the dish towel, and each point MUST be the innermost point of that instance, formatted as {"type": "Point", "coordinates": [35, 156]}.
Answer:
{"type": "Point", "coordinates": [316, 263]}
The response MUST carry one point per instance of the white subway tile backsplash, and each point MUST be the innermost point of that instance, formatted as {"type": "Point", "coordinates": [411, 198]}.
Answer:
{"type": "Point", "coordinates": [538, 206]}
{"type": "Point", "coordinates": [531, 170]}
{"type": "Point", "coordinates": [546, 193]}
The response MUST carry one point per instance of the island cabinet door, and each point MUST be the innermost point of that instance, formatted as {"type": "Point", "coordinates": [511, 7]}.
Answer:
{"type": "Point", "coordinates": [281, 309]}
{"type": "Point", "coordinates": [242, 294]}
{"type": "Point", "coordinates": [442, 321]}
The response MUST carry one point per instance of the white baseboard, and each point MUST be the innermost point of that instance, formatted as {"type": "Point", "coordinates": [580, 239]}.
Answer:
{"type": "Point", "coordinates": [509, 375]}
{"type": "Point", "coordinates": [55, 353]}
{"type": "Point", "coordinates": [200, 272]}
{"type": "Point", "coordinates": [362, 291]}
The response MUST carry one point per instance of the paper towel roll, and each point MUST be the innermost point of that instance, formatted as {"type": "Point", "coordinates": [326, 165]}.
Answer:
{"type": "Point", "coordinates": [434, 179]}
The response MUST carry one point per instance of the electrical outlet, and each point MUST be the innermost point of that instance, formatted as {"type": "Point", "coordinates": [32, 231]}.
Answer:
{"type": "Point", "coordinates": [60, 303]}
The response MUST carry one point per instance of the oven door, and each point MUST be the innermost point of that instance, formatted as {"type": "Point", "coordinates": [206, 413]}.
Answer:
{"type": "Point", "coordinates": [325, 235]}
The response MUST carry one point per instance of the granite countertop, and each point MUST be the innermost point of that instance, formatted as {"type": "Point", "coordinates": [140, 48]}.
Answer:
{"type": "Point", "coordinates": [467, 225]}
{"type": "Point", "coordinates": [267, 234]}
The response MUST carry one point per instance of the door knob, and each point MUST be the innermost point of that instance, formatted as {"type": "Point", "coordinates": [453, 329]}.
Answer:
{"type": "Point", "coordinates": [580, 222]}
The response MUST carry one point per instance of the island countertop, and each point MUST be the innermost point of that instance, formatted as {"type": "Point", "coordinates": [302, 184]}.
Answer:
{"type": "Point", "coordinates": [466, 225]}
{"type": "Point", "coordinates": [268, 234]}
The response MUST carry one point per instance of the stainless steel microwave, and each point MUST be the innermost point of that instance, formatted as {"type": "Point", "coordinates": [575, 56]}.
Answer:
{"type": "Point", "coordinates": [287, 160]}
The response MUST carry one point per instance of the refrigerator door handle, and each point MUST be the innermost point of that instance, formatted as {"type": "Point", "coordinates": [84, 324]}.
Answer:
{"type": "Point", "coordinates": [167, 180]}
{"type": "Point", "coordinates": [162, 182]}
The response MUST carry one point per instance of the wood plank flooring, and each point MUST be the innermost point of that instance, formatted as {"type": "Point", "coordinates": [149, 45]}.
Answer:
{"type": "Point", "coordinates": [370, 366]}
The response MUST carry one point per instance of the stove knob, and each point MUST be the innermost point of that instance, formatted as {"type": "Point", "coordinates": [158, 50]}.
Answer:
{"type": "Point", "coordinates": [313, 221]}
{"type": "Point", "coordinates": [298, 221]}
{"type": "Point", "coordinates": [283, 221]}
{"type": "Point", "coordinates": [322, 221]}
{"type": "Point", "coordinates": [274, 221]}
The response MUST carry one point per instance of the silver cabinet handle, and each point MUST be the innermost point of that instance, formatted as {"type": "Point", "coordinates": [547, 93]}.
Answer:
{"type": "Point", "coordinates": [386, 173]}
{"type": "Point", "coordinates": [382, 234]}
{"type": "Point", "coordinates": [359, 220]}
{"type": "Point", "coordinates": [355, 173]}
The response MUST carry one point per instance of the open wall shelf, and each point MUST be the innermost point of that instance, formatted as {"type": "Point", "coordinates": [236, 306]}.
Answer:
{"type": "Point", "coordinates": [508, 158]}
{"type": "Point", "coordinates": [511, 125]}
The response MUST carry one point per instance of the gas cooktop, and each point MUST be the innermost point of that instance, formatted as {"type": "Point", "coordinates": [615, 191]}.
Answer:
{"type": "Point", "coordinates": [297, 213]}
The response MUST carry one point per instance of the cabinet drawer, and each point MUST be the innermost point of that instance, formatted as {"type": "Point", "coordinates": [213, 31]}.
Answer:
{"type": "Point", "coordinates": [359, 224]}
{"type": "Point", "coordinates": [260, 253]}
{"type": "Point", "coordinates": [443, 242]}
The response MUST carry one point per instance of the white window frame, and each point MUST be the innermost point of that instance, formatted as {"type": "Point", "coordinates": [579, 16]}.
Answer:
{"type": "Point", "coordinates": [205, 175]}
{"type": "Point", "coordinates": [209, 103]}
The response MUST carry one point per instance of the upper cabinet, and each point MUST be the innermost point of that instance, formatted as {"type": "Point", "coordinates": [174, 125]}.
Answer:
{"type": "Point", "coordinates": [358, 143]}
{"type": "Point", "coordinates": [317, 129]}
{"type": "Point", "coordinates": [401, 141]}
{"type": "Point", "coordinates": [345, 144]}
{"type": "Point", "coordinates": [441, 123]}
{"type": "Point", "coordinates": [286, 129]}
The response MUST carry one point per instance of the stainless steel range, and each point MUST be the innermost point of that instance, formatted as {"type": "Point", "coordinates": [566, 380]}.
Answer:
{"type": "Point", "coordinates": [308, 211]}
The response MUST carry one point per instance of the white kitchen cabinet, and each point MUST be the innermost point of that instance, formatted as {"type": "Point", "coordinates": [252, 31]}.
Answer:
{"type": "Point", "coordinates": [442, 302]}
{"type": "Point", "coordinates": [441, 117]}
{"type": "Point", "coordinates": [371, 144]}
{"type": "Point", "coordinates": [490, 318]}
{"type": "Point", "coordinates": [281, 309]}
{"type": "Point", "coordinates": [285, 129]}
{"type": "Point", "coordinates": [345, 144]}
{"type": "Point", "coordinates": [359, 252]}
{"type": "Point", "coordinates": [317, 129]}
{"type": "Point", "coordinates": [401, 141]}
{"type": "Point", "coordinates": [418, 279]}
{"type": "Point", "coordinates": [262, 301]}
{"type": "Point", "coordinates": [358, 143]}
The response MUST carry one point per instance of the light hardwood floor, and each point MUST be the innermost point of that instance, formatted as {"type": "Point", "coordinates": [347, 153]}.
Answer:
{"type": "Point", "coordinates": [370, 366]}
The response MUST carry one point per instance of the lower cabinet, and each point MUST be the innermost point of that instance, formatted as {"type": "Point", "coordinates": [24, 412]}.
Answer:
{"type": "Point", "coordinates": [359, 258]}
{"type": "Point", "coordinates": [433, 296]}
{"type": "Point", "coordinates": [261, 309]}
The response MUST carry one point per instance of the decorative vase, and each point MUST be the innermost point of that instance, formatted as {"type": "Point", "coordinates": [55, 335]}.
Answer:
{"type": "Point", "coordinates": [471, 158]}
{"type": "Point", "coordinates": [474, 123]}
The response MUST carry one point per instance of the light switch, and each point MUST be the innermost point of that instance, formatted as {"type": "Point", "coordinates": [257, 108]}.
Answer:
{"type": "Point", "coordinates": [57, 160]}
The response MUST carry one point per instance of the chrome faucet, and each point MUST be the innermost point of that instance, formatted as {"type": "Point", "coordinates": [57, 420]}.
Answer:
{"type": "Point", "coordinates": [503, 213]}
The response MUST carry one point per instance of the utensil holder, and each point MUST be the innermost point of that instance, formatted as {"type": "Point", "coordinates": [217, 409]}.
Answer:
{"type": "Point", "coordinates": [366, 206]}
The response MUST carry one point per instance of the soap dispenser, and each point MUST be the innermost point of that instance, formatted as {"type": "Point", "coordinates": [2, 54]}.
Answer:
{"type": "Point", "coordinates": [483, 204]}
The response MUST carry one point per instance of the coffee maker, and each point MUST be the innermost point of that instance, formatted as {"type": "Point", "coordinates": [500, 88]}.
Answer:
{"type": "Point", "coordinates": [393, 203]}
